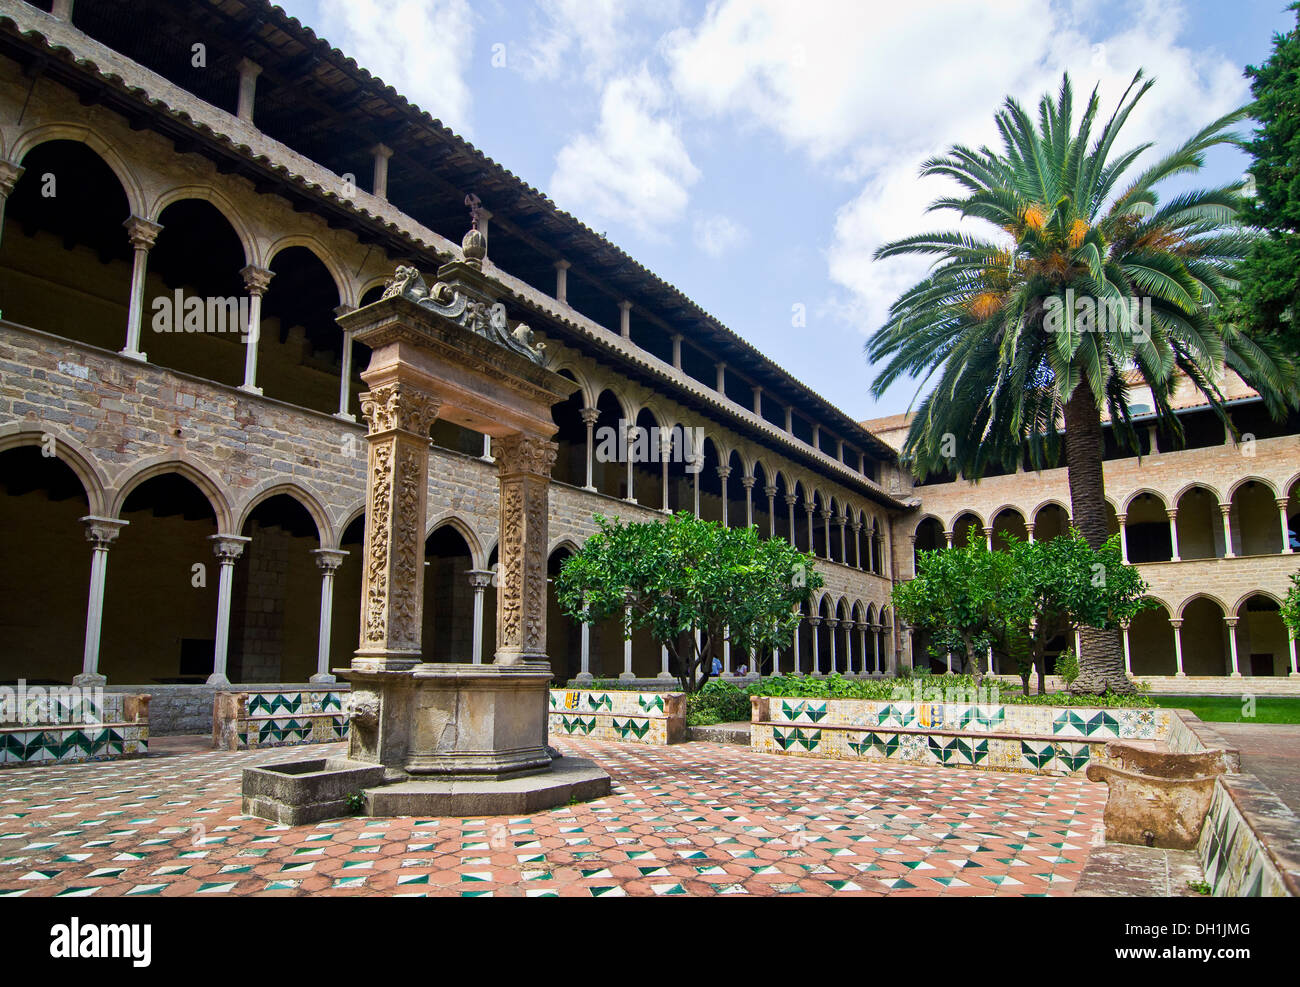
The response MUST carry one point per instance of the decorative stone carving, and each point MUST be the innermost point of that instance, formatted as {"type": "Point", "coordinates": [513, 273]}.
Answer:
{"type": "Point", "coordinates": [9, 175]}
{"type": "Point", "coordinates": [524, 463]}
{"type": "Point", "coordinates": [256, 279]}
{"type": "Point", "coordinates": [227, 548]}
{"type": "Point", "coordinates": [398, 406]}
{"type": "Point", "coordinates": [142, 233]}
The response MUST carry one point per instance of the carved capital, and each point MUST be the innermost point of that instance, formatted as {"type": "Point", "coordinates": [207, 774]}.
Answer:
{"type": "Point", "coordinates": [328, 559]}
{"type": "Point", "coordinates": [401, 407]}
{"type": "Point", "coordinates": [521, 453]}
{"type": "Point", "coordinates": [142, 233]}
{"type": "Point", "coordinates": [228, 548]}
{"type": "Point", "coordinates": [747, 482]}
{"type": "Point", "coordinates": [256, 279]}
{"type": "Point", "coordinates": [724, 472]}
{"type": "Point", "coordinates": [9, 175]}
{"type": "Point", "coordinates": [101, 532]}
{"type": "Point", "coordinates": [480, 579]}
{"type": "Point", "coordinates": [770, 490]}
{"type": "Point", "coordinates": [589, 416]}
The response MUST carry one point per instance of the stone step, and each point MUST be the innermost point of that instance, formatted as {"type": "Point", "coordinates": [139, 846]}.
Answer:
{"type": "Point", "coordinates": [722, 733]}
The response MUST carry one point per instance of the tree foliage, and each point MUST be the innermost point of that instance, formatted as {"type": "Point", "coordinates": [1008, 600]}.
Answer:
{"type": "Point", "coordinates": [1291, 607]}
{"type": "Point", "coordinates": [676, 576]}
{"type": "Point", "coordinates": [1269, 300]}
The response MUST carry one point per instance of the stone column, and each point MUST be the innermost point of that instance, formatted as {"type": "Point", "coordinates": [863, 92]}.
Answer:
{"type": "Point", "coordinates": [525, 463]}
{"type": "Point", "coordinates": [789, 503]}
{"type": "Point", "coordinates": [826, 532]}
{"type": "Point", "coordinates": [857, 544]}
{"type": "Point", "coordinates": [399, 414]}
{"type": "Point", "coordinates": [1226, 510]}
{"type": "Point", "coordinates": [101, 532]}
{"type": "Point", "coordinates": [1173, 534]}
{"type": "Point", "coordinates": [584, 670]}
{"type": "Point", "coordinates": [256, 281]}
{"type": "Point", "coordinates": [770, 490]}
{"type": "Point", "coordinates": [815, 622]}
{"type": "Point", "coordinates": [843, 524]}
{"type": "Point", "coordinates": [1295, 670]}
{"type": "Point", "coordinates": [1029, 529]}
{"type": "Point", "coordinates": [862, 648]}
{"type": "Point", "coordinates": [664, 673]}
{"type": "Point", "coordinates": [724, 474]}
{"type": "Point", "coordinates": [562, 281]}
{"type": "Point", "coordinates": [794, 651]}
{"type": "Point", "coordinates": [665, 454]}
{"type": "Point", "coordinates": [627, 649]}
{"type": "Point", "coordinates": [988, 539]}
{"type": "Point", "coordinates": [832, 626]}
{"type": "Point", "coordinates": [1123, 536]}
{"type": "Point", "coordinates": [629, 438]}
{"type": "Point", "coordinates": [248, 73]}
{"type": "Point", "coordinates": [345, 377]}
{"type": "Point", "coordinates": [875, 648]}
{"type": "Point", "coordinates": [698, 463]}
{"type": "Point", "coordinates": [1281, 513]}
{"type": "Point", "coordinates": [142, 234]}
{"type": "Point", "coordinates": [479, 581]}
{"type": "Point", "coordinates": [1232, 645]}
{"type": "Point", "coordinates": [1128, 656]}
{"type": "Point", "coordinates": [589, 417]}
{"type": "Point", "coordinates": [1178, 647]}
{"type": "Point", "coordinates": [380, 154]}
{"type": "Point", "coordinates": [808, 514]}
{"type": "Point", "coordinates": [228, 549]}
{"type": "Point", "coordinates": [9, 175]}
{"type": "Point", "coordinates": [948, 538]}
{"type": "Point", "coordinates": [748, 482]}
{"type": "Point", "coordinates": [625, 319]}
{"type": "Point", "coordinates": [328, 561]}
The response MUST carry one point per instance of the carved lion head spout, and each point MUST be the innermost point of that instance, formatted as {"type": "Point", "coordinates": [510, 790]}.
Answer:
{"type": "Point", "coordinates": [407, 282]}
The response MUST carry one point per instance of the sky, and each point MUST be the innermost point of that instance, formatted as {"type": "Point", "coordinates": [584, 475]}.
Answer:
{"type": "Point", "coordinates": [754, 153]}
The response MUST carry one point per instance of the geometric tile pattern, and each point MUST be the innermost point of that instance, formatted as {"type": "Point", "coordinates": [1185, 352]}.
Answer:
{"type": "Point", "coordinates": [278, 719]}
{"type": "Point", "coordinates": [628, 717]}
{"type": "Point", "coordinates": [690, 819]}
{"type": "Point", "coordinates": [54, 727]}
{"type": "Point", "coordinates": [1034, 739]}
{"type": "Point", "coordinates": [1234, 862]}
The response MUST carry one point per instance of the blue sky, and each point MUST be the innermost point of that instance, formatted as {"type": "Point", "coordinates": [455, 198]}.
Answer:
{"type": "Point", "coordinates": [755, 152]}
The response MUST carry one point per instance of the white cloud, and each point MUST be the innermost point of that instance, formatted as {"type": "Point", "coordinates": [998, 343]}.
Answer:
{"type": "Point", "coordinates": [716, 235]}
{"type": "Point", "coordinates": [590, 35]}
{"type": "Point", "coordinates": [422, 48]}
{"type": "Point", "coordinates": [633, 168]}
{"type": "Point", "coordinates": [868, 91]}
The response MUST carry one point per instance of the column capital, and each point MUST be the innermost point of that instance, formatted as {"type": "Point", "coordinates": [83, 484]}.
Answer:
{"type": "Point", "coordinates": [480, 579]}
{"type": "Point", "coordinates": [747, 481]}
{"type": "Point", "coordinates": [770, 489]}
{"type": "Point", "coordinates": [1171, 513]}
{"type": "Point", "coordinates": [1225, 509]}
{"type": "Point", "coordinates": [815, 621]}
{"type": "Point", "coordinates": [832, 622]}
{"type": "Point", "coordinates": [141, 232]}
{"type": "Point", "coordinates": [9, 175]}
{"type": "Point", "coordinates": [228, 548]}
{"type": "Point", "coordinates": [256, 279]}
{"type": "Point", "coordinates": [102, 531]}
{"type": "Point", "coordinates": [328, 559]}
{"type": "Point", "coordinates": [1231, 621]}
{"type": "Point", "coordinates": [521, 453]}
{"type": "Point", "coordinates": [1282, 503]}
{"type": "Point", "coordinates": [589, 416]}
{"type": "Point", "coordinates": [382, 151]}
{"type": "Point", "coordinates": [399, 406]}
{"type": "Point", "coordinates": [857, 527]}
{"type": "Point", "coordinates": [248, 67]}
{"type": "Point", "coordinates": [1176, 623]}
{"type": "Point", "coordinates": [562, 265]}
{"type": "Point", "coordinates": [724, 472]}
{"type": "Point", "coordinates": [1121, 517]}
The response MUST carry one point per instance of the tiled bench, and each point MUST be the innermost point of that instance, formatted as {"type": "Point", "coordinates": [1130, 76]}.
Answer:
{"type": "Point", "coordinates": [107, 726]}
{"type": "Point", "coordinates": [631, 717]}
{"type": "Point", "coordinates": [243, 720]}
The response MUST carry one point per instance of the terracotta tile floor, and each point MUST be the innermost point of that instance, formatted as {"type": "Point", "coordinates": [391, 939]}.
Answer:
{"type": "Point", "coordinates": [690, 819]}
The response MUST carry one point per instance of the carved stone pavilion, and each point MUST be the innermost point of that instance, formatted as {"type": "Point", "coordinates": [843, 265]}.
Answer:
{"type": "Point", "coordinates": [438, 737]}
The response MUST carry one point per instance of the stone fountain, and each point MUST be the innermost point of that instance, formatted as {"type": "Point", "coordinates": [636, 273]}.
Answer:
{"type": "Point", "coordinates": [437, 738]}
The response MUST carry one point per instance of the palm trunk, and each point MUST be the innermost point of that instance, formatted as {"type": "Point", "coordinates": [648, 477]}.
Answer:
{"type": "Point", "coordinates": [1101, 652]}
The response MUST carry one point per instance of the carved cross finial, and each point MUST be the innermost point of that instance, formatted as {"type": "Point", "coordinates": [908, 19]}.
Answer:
{"type": "Point", "coordinates": [473, 201]}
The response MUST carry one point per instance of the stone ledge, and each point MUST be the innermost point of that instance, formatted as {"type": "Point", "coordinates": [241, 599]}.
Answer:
{"type": "Point", "coordinates": [570, 779]}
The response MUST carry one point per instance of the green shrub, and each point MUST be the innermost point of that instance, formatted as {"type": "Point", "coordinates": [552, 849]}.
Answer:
{"type": "Point", "coordinates": [717, 702]}
{"type": "Point", "coordinates": [1067, 666]}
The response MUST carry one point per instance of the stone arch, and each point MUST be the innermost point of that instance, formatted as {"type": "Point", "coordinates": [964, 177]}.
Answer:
{"type": "Point", "coordinates": [328, 535]}
{"type": "Point", "coordinates": [93, 481]}
{"type": "Point", "coordinates": [1134, 495]}
{"type": "Point", "coordinates": [342, 282]}
{"type": "Point", "coordinates": [1241, 602]}
{"type": "Point", "coordinates": [82, 134]}
{"type": "Point", "coordinates": [1191, 485]}
{"type": "Point", "coordinates": [218, 201]}
{"type": "Point", "coordinates": [1201, 595]}
{"type": "Point", "coordinates": [563, 542]}
{"type": "Point", "coordinates": [463, 528]}
{"type": "Point", "coordinates": [1242, 481]}
{"type": "Point", "coordinates": [208, 485]}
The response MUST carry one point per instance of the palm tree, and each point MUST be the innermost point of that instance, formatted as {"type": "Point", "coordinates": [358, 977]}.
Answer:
{"type": "Point", "coordinates": [1001, 319]}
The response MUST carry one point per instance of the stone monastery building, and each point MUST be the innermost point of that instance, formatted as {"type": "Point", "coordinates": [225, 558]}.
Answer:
{"type": "Point", "coordinates": [180, 506]}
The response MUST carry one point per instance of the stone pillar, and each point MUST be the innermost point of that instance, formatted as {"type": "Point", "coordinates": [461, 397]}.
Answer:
{"type": "Point", "coordinates": [1178, 647]}
{"type": "Point", "coordinates": [1295, 670]}
{"type": "Point", "coordinates": [815, 622]}
{"type": "Point", "coordinates": [748, 482]}
{"type": "Point", "coordinates": [724, 474]}
{"type": "Point", "coordinates": [584, 670]}
{"type": "Point", "coordinates": [629, 433]}
{"type": "Point", "coordinates": [758, 401]}
{"type": "Point", "coordinates": [479, 581]}
{"type": "Point", "coordinates": [248, 73]}
{"type": "Point", "coordinates": [875, 648]}
{"type": "Point", "coordinates": [625, 319]}
{"type": "Point", "coordinates": [1123, 536]}
{"type": "Point", "coordinates": [1029, 529]}
{"type": "Point", "coordinates": [826, 532]}
{"type": "Point", "coordinates": [664, 673]}
{"type": "Point", "coordinates": [843, 524]}
{"type": "Point", "coordinates": [142, 234]}
{"type": "Point", "coordinates": [1226, 510]}
{"type": "Point", "coordinates": [677, 351]}
{"type": "Point", "coordinates": [948, 538]}
{"type": "Point", "coordinates": [101, 532]}
{"type": "Point", "coordinates": [9, 175]}
{"type": "Point", "coordinates": [832, 627]}
{"type": "Point", "coordinates": [862, 648]}
{"type": "Point", "coordinates": [699, 468]}
{"type": "Point", "coordinates": [525, 463]}
{"type": "Point", "coordinates": [794, 651]}
{"type": "Point", "coordinates": [62, 9]}
{"type": "Point", "coordinates": [228, 549]}
{"type": "Point", "coordinates": [380, 153]}
{"type": "Point", "coordinates": [345, 376]}
{"type": "Point", "coordinates": [256, 281]}
{"type": "Point", "coordinates": [627, 672]}
{"type": "Point", "coordinates": [328, 561]}
{"type": "Point", "coordinates": [988, 539]}
{"type": "Point", "coordinates": [857, 545]}
{"type": "Point", "coordinates": [562, 281]}
{"type": "Point", "coordinates": [1232, 645]}
{"type": "Point", "coordinates": [589, 417]}
{"type": "Point", "coordinates": [721, 379]}
{"type": "Point", "coordinates": [399, 414]}
{"type": "Point", "coordinates": [1128, 656]}
{"type": "Point", "coordinates": [1281, 513]}
{"type": "Point", "coordinates": [726, 652]}
{"type": "Point", "coordinates": [789, 503]}
{"type": "Point", "coordinates": [808, 514]}
{"type": "Point", "coordinates": [1173, 534]}
{"type": "Point", "coordinates": [770, 490]}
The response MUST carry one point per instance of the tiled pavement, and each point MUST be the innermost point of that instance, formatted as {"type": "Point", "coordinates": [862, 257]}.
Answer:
{"type": "Point", "coordinates": [689, 819]}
